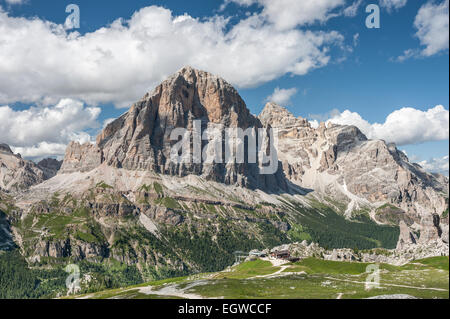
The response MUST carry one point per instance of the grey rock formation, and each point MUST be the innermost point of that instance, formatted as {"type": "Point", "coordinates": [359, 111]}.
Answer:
{"type": "Point", "coordinates": [407, 237]}
{"type": "Point", "coordinates": [76, 249]}
{"type": "Point", "coordinates": [341, 162]}
{"type": "Point", "coordinates": [81, 158]}
{"type": "Point", "coordinates": [431, 230]}
{"type": "Point", "coordinates": [398, 256]}
{"type": "Point", "coordinates": [163, 215]}
{"type": "Point", "coordinates": [50, 166]}
{"type": "Point", "coordinates": [343, 255]}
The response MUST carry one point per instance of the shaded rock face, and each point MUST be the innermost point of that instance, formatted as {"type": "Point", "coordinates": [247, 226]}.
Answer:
{"type": "Point", "coordinates": [338, 160]}
{"type": "Point", "coordinates": [50, 166]}
{"type": "Point", "coordinates": [140, 139]}
{"type": "Point", "coordinates": [76, 249]}
{"type": "Point", "coordinates": [4, 148]}
{"type": "Point", "coordinates": [6, 240]}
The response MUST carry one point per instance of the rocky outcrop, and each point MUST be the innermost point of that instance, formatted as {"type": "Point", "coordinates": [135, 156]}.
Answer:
{"type": "Point", "coordinates": [113, 209]}
{"type": "Point", "coordinates": [55, 249]}
{"type": "Point", "coordinates": [50, 167]}
{"type": "Point", "coordinates": [343, 255]}
{"type": "Point", "coordinates": [430, 230]}
{"type": "Point", "coordinates": [398, 256]}
{"type": "Point", "coordinates": [76, 249]}
{"type": "Point", "coordinates": [81, 158]}
{"type": "Point", "coordinates": [407, 237]}
{"type": "Point", "coordinates": [163, 215]}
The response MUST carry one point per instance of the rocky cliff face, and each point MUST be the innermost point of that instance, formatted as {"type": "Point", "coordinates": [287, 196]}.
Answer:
{"type": "Point", "coordinates": [140, 139]}
{"type": "Point", "coordinates": [81, 158]}
{"type": "Point", "coordinates": [50, 166]}
{"type": "Point", "coordinates": [341, 162]}
{"type": "Point", "coordinates": [17, 174]}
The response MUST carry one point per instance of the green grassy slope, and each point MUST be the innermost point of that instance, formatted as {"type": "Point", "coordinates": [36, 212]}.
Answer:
{"type": "Point", "coordinates": [307, 279]}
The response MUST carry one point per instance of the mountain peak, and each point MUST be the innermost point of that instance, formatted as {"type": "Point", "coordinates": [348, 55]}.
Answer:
{"type": "Point", "coordinates": [193, 93]}
{"type": "Point", "coordinates": [140, 139]}
{"type": "Point", "coordinates": [276, 115]}
{"type": "Point", "coordinates": [274, 107]}
{"type": "Point", "coordinates": [5, 148]}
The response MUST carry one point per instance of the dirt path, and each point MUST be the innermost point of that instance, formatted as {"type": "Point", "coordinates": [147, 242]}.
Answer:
{"type": "Point", "coordinates": [275, 274]}
{"type": "Point", "coordinates": [385, 284]}
{"type": "Point", "coordinates": [174, 291]}
{"type": "Point", "coordinates": [279, 273]}
{"type": "Point", "coordinates": [170, 291]}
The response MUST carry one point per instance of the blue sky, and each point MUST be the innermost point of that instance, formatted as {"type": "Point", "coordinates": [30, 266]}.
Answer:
{"type": "Point", "coordinates": [363, 74]}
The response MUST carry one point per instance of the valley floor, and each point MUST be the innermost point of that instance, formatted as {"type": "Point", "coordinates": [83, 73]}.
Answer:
{"type": "Point", "coordinates": [308, 279]}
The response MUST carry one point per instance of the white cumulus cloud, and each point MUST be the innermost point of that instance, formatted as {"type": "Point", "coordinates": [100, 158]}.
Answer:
{"type": "Point", "coordinates": [287, 14]}
{"type": "Point", "coordinates": [15, 1]}
{"type": "Point", "coordinates": [403, 127]}
{"type": "Point", "coordinates": [437, 165]}
{"type": "Point", "coordinates": [41, 150]}
{"type": "Point", "coordinates": [45, 131]}
{"type": "Point", "coordinates": [282, 96]}
{"type": "Point", "coordinates": [432, 27]}
{"type": "Point", "coordinates": [393, 4]}
{"type": "Point", "coordinates": [352, 10]}
{"type": "Point", "coordinates": [119, 63]}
